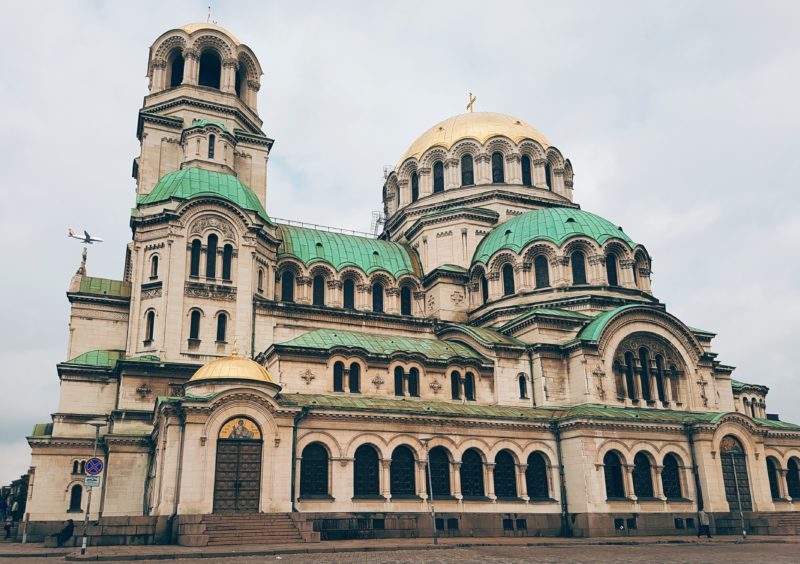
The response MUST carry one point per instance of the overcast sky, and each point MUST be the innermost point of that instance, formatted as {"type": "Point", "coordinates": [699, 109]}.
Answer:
{"type": "Point", "coordinates": [681, 120]}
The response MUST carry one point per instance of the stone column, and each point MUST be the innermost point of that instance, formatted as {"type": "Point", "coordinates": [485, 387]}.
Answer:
{"type": "Point", "coordinates": [386, 478]}
{"type": "Point", "coordinates": [228, 77]}
{"type": "Point", "coordinates": [335, 293]}
{"type": "Point", "coordinates": [456, 470]}
{"type": "Point", "coordinates": [392, 304]}
{"type": "Point", "coordinates": [405, 192]}
{"type": "Point", "coordinates": [191, 66]}
{"type": "Point", "coordinates": [522, 483]}
{"type": "Point", "coordinates": [488, 469]}
{"type": "Point", "coordinates": [658, 486]}
{"type": "Point", "coordinates": [525, 277]}
{"type": "Point", "coordinates": [451, 174]}
{"type": "Point", "coordinates": [483, 169]}
{"type": "Point", "coordinates": [626, 273]}
{"type": "Point", "coordinates": [628, 476]}
{"type": "Point", "coordinates": [425, 181]}
{"type": "Point", "coordinates": [513, 169]}
{"type": "Point", "coordinates": [303, 286]}
{"type": "Point", "coordinates": [422, 479]}
{"type": "Point", "coordinates": [537, 173]}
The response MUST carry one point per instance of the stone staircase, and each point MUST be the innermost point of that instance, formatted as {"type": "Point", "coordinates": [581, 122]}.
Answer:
{"type": "Point", "coordinates": [254, 528]}
{"type": "Point", "coordinates": [787, 523]}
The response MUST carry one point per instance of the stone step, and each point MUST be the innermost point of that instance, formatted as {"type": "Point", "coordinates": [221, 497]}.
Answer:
{"type": "Point", "coordinates": [220, 530]}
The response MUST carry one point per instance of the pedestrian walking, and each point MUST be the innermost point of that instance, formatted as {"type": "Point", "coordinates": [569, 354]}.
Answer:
{"type": "Point", "coordinates": [704, 524]}
{"type": "Point", "coordinates": [7, 524]}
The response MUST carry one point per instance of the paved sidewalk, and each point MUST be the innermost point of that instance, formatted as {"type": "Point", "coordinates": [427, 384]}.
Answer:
{"type": "Point", "coordinates": [171, 552]}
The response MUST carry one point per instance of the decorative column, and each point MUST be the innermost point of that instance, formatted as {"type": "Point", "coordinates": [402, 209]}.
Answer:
{"type": "Point", "coordinates": [538, 174]}
{"type": "Point", "coordinates": [191, 66]}
{"type": "Point", "coordinates": [425, 181]}
{"type": "Point", "coordinates": [456, 470]}
{"type": "Point", "coordinates": [422, 479]}
{"type": "Point", "coordinates": [626, 273]}
{"type": "Point", "coordinates": [451, 174]}
{"type": "Point", "coordinates": [363, 292]}
{"type": "Point", "coordinates": [525, 279]}
{"type": "Point", "coordinates": [658, 486]}
{"type": "Point", "coordinates": [522, 483]}
{"type": "Point", "coordinates": [334, 293]}
{"type": "Point", "coordinates": [228, 78]}
{"type": "Point", "coordinates": [488, 469]}
{"type": "Point", "coordinates": [303, 285]}
{"type": "Point", "coordinates": [386, 478]}
{"type": "Point", "coordinates": [596, 274]}
{"type": "Point", "coordinates": [392, 300]}
{"type": "Point", "coordinates": [493, 279]}
{"type": "Point", "coordinates": [629, 490]}
{"type": "Point", "coordinates": [483, 172]}
{"type": "Point", "coordinates": [405, 192]}
{"type": "Point", "coordinates": [513, 169]}
{"type": "Point", "coordinates": [158, 79]}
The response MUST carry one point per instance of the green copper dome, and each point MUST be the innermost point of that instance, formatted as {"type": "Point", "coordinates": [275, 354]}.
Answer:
{"type": "Point", "coordinates": [549, 224]}
{"type": "Point", "coordinates": [192, 183]}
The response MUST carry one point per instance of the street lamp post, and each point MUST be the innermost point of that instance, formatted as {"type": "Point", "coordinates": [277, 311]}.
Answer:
{"type": "Point", "coordinates": [97, 425]}
{"type": "Point", "coordinates": [425, 442]}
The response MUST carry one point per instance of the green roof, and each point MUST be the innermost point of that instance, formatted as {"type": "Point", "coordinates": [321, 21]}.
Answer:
{"type": "Point", "coordinates": [738, 385]}
{"type": "Point", "coordinates": [195, 182]}
{"type": "Point", "coordinates": [339, 250]}
{"type": "Point", "coordinates": [42, 430]}
{"type": "Point", "coordinates": [434, 349]}
{"type": "Point", "coordinates": [486, 336]}
{"type": "Point", "coordinates": [772, 424]}
{"type": "Point", "coordinates": [105, 287]}
{"type": "Point", "coordinates": [593, 330]}
{"type": "Point", "coordinates": [463, 209]}
{"type": "Point", "coordinates": [549, 224]}
{"type": "Point", "coordinates": [205, 122]}
{"type": "Point", "coordinates": [108, 358]}
{"type": "Point", "coordinates": [552, 312]}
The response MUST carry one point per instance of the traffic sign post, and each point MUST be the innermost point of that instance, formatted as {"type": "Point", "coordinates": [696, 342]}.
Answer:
{"type": "Point", "coordinates": [93, 466]}
{"type": "Point", "coordinates": [91, 481]}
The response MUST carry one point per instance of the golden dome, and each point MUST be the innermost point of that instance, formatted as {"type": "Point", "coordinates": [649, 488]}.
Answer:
{"type": "Point", "coordinates": [192, 27]}
{"type": "Point", "coordinates": [233, 367]}
{"type": "Point", "coordinates": [480, 126]}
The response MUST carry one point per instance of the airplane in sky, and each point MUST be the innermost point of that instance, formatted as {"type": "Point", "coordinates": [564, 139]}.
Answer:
{"type": "Point", "coordinates": [86, 238]}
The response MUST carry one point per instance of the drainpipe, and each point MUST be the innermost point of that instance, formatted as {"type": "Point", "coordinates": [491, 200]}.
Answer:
{"type": "Point", "coordinates": [690, 436]}
{"type": "Point", "coordinates": [565, 528]}
{"type": "Point", "coordinates": [297, 418]}
{"type": "Point", "coordinates": [530, 367]}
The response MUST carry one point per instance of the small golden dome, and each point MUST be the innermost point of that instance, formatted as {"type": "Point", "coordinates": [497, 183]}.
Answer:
{"type": "Point", "coordinates": [233, 367]}
{"type": "Point", "coordinates": [192, 27]}
{"type": "Point", "coordinates": [480, 126]}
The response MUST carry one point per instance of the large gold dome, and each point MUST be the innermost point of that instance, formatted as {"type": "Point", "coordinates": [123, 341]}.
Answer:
{"type": "Point", "coordinates": [233, 367]}
{"type": "Point", "coordinates": [480, 126]}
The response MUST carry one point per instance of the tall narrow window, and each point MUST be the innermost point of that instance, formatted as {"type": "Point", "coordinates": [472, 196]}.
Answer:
{"type": "Point", "coordinates": [660, 378]}
{"type": "Point", "coordinates": [674, 384]}
{"type": "Point", "coordinates": [338, 377]}
{"type": "Point", "coordinates": [222, 327]}
{"type": "Point", "coordinates": [438, 177]}
{"type": "Point", "coordinates": [469, 386]}
{"type": "Point", "coordinates": [548, 176]}
{"type": "Point", "coordinates": [612, 467]}
{"type": "Point", "coordinates": [611, 269]}
{"type": "Point", "coordinates": [354, 380]}
{"type": "Point", "coordinates": [194, 324]}
{"type": "Point", "coordinates": [211, 256]}
{"type": "Point", "coordinates": [793, 478]}
{"type": "Point", "coordinates": [644, 365]}
{"type": "Point", "coordinates": [642, 476]}
{"type": "Point", "coordinates": [578, 262]}
{"type": "Point", "coordinates": [472, 474]}
{"type": "Point", "coordinates": [439, 472]}
{"type": "Point", "coordinates": [212, 140]}
{"type": "Point", "coordinates": [150, 326]}
{"type": "Point", "coordinates": [399, 378]}
{"type": "Point", "coordinates": [498, 174]}
{"type": "Point", "coordinates": [505, 475]}
{"type": "Point", "coordinates": [405, 300]}
{"type": "Point", "coordinates": [455, 385]}
{"type": "Point", "coordinates": [365, 472]}
{"type": "Point", "coordinates": [508, 280]}
{"type": "Point", "coordinates": [542, 271]}
{"type": "Point", "coordinates": [671, 478]}
{"type": "Point", "coordinates": [194, 261]}
{"type": "Point", "coordinates": [287, 286]}
{"type": "Point", "coordinates": [227, 259]}
{"type": "Point", "coordinates": [176, 70]}
{"type": "Point", "coordinates": [210, 69]}
{"type": "Point", "coordinates": [413, 383]}
{"type": "Point", "coordinates": [75, 497]}
{"type": "Point", "coordinates": [629, 375]}
{"type": "Point", "coordinates": [319, 290]}
{"type": "Point", "coordinates": [401, 473]}
{"type": "Point", "coordinates": [414, 187]}
{"type": "Point", "coordinates": [484, 289]}
{"type": "Point", "coordinates": [523, 386]}
{"type": "Point", "coordinates": [377, 297]}
{"type": "Point", "coordinates": [526, 171]}
{"type": "Point", "coordinates": [154, 267]}
{"type": "Point", "coordinates": [74, 466]}
{"type": "Point", "coordinates": [314, 471]}
{"type": "Point", "coordinates": [260, 280]}
{"type": "Point", "coordinates": [536, 477]}
{"type": "Point", "coordinates": [467, 175]}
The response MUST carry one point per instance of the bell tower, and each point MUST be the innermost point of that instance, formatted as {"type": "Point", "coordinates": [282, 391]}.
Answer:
{"type": "Point", "coordinates": [201, 109]}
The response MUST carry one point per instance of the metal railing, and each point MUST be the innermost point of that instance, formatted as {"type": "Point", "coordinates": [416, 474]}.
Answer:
{"type": "Point", "coordinates": [323, 227]}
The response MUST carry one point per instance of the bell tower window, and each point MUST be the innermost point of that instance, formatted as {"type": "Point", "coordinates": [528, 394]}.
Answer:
{"type": "Point", "coordinates": [508, 280]}
{"type": "Point", "coordinates": [377, 297]}
{"type": "Point", "coordinates": [438, 177]}
{"type": "Point", "coordinates": [611, 270]}
{"type": "Point", "coordinates": [176, 69]}
{"type": "Point", "coordinates": [211, 256]}
{"type": "Point", "coordinates": [210, 69]}
{"type": "Point", "coordinates": [526, 171]}
{"type": "Point", "coordinates": [194, 261]}
{"type": "Point", "coordinates": [212, 139]}
{"type": "Point", "coordinates": [227, 258]}
{"type": "Point", "coordinates": [405, 300]}
{"type": "Point", "coordinates": [467, 176]}
{"type": "Point", "coordinates": [222, 327]}
{"type": "Point", "coordinates": [498, 174]}
{"type": "Point", "coordinates": [194, 325]}
{"type": "Point", "coordinates": [349, 291]}
{"type": "Point", "coordinates": [414, 187]}
{"type": "Point", "coordinates": [548, 176]}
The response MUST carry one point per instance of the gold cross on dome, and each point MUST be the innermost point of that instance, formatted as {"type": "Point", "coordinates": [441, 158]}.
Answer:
{"type": "Point", "coordinates": [471, 101]}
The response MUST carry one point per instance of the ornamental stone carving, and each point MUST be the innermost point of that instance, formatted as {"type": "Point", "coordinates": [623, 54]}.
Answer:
{"type": "Point", "coordinates": [210, 291]}
{"type": "Point", "coordinates": [199, 226]}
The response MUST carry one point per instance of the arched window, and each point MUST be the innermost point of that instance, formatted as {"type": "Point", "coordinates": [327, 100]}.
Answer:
{"type": "Point", "coordinates": [83, 467]}
{"type": "Point", "coordinates": [222, 327]}
{"type": "Point", "coordinates": [405, 300]}
{"type": "Point", "coordinates": [287, 286]}
{"type": "Point", "coordinates": [354, 380]}
{"type": "Point", "coordinates": [469, 386]}
{"type": "Point", "coordinates": [210, 69]}
{"type": "Point", "coordinates": [401, 473]}
{"type": "Point", "coordinates": [455, 385]}
{"type": "Point", "coordinates": [319, 290]}
{"type": "Point", "coordinates": [484, 289]}
{"type": "Point", "coordinates": [314, 471]}
{"type": "Point", "coordinates": [75, 497]}
{"type": "Point", "coordinates": [612, 467]}
{"type": "Point", "coordinates": [536, 477]}
{"type": "Point", "coordinates": [238, 79]}
{"type": "Point", "coordinates": [413, 383]}
{"type": "Point", "coordinates": [399, 378]}
{"type": "Point", "coordinates": [526, 171]}
{"type": "Point", "coordinates": [644, 365]}
{"type": "Point", "coordinates": [508, 280]}
{"type": "Point", "coordinates": [212, 140]}
{"type": "Point", "coordinates": [542, 271]}
{"type": "Point", "coordinates": [472, 474]}
{"type": "Point", "coordinates": [365, 472]}
{"type": "Point", "coordinates": [154, 267]}
{"type": "Point", "coordinates": [338, 377]}
{"type": "Point", "coordinates": [498, 173]}
{"type": "Point", "coordinates": [377, 297]}
{"type": "Point", "coordinates": [194, 324]}
{"type": "Point", "coordinates": [611, 269]}
{"type": "Point", "coordinates": [578, 262]}
{"type": "Point", "coordinates": [660, 377]}
{"type": "Point", "coordinates": [793, 478]}
{"type": "Point", "coordinates": [753, 408]}
{"type": "Point", "coordinates": [260, 280]}
{"type": "Point", "coordinates": [671, 478]}
{"type": "Point", "coordinates": [227, 259]}
{"type": "Point", "coordinates": [194, 262]}
{"type": "Point", "coordinates": [349, 291]}
{"type": "Point", "coordinates": [629, 371]}
{"type": "Point", "coordinates": [523, 387]}
{"type": "Point", "coordinates": [438, 177]}
{"type": "Point", "coordinates": [548, 176]}
{"type": "Point", "coordinates": [674, 384]}
{"type": "Point", "coordinates": [440, 472]}
{"type": "Point", "coordinates": [211, 256]}
{"type": "Point", "coordinates": [467, 176]}
{"type": "Point", "coordinates": [150, 326]}
{"type": "Point", "coordinates": [74, 466]}
{"type": "Point", "coordinates": [414, 187]}
{"type": "Point", "coordinates": [772, 474]}
{"type": "Point", "coordinates": [642, 476]}
{"type": "Point", "coordinates": [505, 475]}
{"type": "Point", "coordinates": [176, 69]}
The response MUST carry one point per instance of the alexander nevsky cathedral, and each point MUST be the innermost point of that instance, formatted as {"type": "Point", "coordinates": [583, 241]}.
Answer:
{"type": "Point", "coordinates": [493, 363]}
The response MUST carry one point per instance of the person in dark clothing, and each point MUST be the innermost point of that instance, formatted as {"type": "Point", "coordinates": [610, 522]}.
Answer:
{"type": "Point", "coordinates": [704, 524]}
{"type": "Point", "coordinates": [8, 524]}
{"type": "Point", "coordinates": [65, 534]}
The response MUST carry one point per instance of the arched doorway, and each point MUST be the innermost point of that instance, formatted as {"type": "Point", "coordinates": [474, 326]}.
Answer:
{"type": "Point", "coordinates": [734, 474]}
{"type": "Point", "coordinates": [237, 480]}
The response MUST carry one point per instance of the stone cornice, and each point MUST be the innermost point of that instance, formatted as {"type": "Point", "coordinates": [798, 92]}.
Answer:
{"type": "Point", "coordinates": [78, 297]}
{"type": "Point", "coordinates": [473, 215]}
{"type": "Point", "coordinates": [208, 106]}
